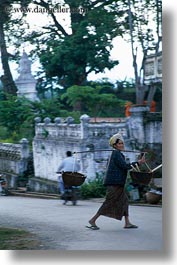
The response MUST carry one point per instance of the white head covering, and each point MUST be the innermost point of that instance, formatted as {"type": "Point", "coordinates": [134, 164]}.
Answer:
{"type": "Point", "coordinates": [114, 138]}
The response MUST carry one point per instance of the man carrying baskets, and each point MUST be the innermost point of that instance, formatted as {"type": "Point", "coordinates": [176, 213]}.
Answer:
{"type": "Point", "coordinates": [69, 164]}
{"type": "Point", "coordinates": [116, 202]}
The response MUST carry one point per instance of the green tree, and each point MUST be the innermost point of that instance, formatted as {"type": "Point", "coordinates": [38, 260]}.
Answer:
{"type": "Point", "coordinates": [91, 100]}
{"type": "Point", "coordinates": [16, 116]}
{"type": "Point", "coordinates": [145, 31]}
{"type": "Point", "coordinates": [7, 23]}
{"type": "Point", "coordinates": [71, 53]}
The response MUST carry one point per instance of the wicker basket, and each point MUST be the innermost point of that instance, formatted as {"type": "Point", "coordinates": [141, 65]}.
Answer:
{"type": "Point", "coordinates": [152, 198]}
{"type": "Point", "coordinates": [73, 178]}
{"type": "Point", "coordinates": [141, 177]}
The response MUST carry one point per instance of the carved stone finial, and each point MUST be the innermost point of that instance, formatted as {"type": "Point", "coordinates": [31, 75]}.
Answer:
{"type": "Point", "coordinates": [47, 120]}
{"type": "Point", "coordinates": [69, 120]}
{"type": "Point", "coordinates": [24, 141]}
{"type": "Point", "coordinates": [57, 120]}
{"type": "Point", "coordinates": [84, 118]}
{"type": "Point", "coordinates": [37, 120]}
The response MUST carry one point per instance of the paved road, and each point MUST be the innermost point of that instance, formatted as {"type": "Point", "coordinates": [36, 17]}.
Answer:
{"type": "Point", "coordinates": [62, 227]}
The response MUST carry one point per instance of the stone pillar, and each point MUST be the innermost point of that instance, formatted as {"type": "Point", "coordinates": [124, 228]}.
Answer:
{"type": "Point", "coordinates": [23, 163]}
{"type": "Point", "coordinates": [24, 148]}
{"type": "Point", "coordinates": [136, 125]}
{"type": "Point", "coordinates": [84, 126]}
{"type": "Point", "coordinates": [91, 172]}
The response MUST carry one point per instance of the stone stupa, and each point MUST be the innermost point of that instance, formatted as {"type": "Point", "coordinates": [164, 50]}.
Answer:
{"type": "Point", "coordinates": [26, 83]}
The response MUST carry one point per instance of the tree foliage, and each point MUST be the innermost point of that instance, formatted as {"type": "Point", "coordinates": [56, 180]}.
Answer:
{"type": "Point", "coordinates": [92, 101]}
{"type": "Point", "coordinates": [145, 30]}
{"type": "Point", "coordinates": [73, 51]}
{"type": "Point", "coordinates": [78, 41]}
{"type": "Point", "coordinates": [17, 114]}
{"type": "Point", "coordinates": [7, 23]}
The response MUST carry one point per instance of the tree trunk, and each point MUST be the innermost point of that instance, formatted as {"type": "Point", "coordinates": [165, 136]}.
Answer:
{"type": "Point", "coordinates": [151, 94]}
{"type": "Point", "coordinates": [7, 79]}
{"type": "Point", "coordinates": [140, 91]}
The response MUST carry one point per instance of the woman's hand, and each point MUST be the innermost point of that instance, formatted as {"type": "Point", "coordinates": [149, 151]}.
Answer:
{"type": "Point", "coordinates": [142, 160]}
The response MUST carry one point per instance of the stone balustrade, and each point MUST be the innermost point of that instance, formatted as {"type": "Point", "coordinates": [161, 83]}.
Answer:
{"type": "Point", "coordinates": [53, 138]}
{"type": "Point", "coordinates": [13, 160]}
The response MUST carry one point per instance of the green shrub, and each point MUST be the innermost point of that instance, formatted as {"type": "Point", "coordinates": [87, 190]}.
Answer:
{"type": "Point", "coordinates": [93, 188]}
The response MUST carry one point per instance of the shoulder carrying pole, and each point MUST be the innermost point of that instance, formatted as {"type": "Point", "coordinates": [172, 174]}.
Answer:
{"type": "Point", "coordinates": [109, 150]}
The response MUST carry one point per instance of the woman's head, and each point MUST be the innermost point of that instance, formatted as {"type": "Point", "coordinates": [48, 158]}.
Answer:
{"type": "Point", "coordinates": [117, 142]}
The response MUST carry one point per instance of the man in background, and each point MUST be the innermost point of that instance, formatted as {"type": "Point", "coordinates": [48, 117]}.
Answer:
{"type": "Point", "coordinates": [68, 164]}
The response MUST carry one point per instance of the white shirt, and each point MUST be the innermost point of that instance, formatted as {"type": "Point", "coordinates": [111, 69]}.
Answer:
{"type": "Point", "coordinates": [69, 164]}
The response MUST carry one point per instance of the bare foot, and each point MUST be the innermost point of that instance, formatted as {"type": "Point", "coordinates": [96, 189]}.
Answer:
{"type": "Point", "coordinates": [92, 223]}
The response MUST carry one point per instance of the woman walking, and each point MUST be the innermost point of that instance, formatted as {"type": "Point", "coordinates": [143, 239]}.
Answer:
{"type": "Point", "coordinates": [116, 202]}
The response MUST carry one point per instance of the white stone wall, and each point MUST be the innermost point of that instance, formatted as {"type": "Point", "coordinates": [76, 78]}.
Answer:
{"type": "Point", "coordinates": [13, 159]}
{"type": "Point", "coordinates": [153, 132]}
{"type": "Point", "coordinates": [52, 140]}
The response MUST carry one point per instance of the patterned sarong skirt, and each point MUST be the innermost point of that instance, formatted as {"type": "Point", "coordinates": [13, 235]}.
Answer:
{"type": "Point", "coordinates": [115, 204]}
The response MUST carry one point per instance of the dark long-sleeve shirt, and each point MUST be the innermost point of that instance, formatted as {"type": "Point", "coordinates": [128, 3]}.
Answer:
{"type": "Point", "coordinates": [116, 173]}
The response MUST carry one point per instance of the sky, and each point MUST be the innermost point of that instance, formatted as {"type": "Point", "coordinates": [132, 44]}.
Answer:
{"type": "Point", "coordinates": [124, 70]}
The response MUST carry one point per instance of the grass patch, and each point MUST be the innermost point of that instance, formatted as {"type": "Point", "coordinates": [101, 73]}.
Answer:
{"type": "Point", "coordinates": [17, 239]}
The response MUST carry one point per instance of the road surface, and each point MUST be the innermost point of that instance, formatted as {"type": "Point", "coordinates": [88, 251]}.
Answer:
{"type": "Point", "coordinates": [62, 227]}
